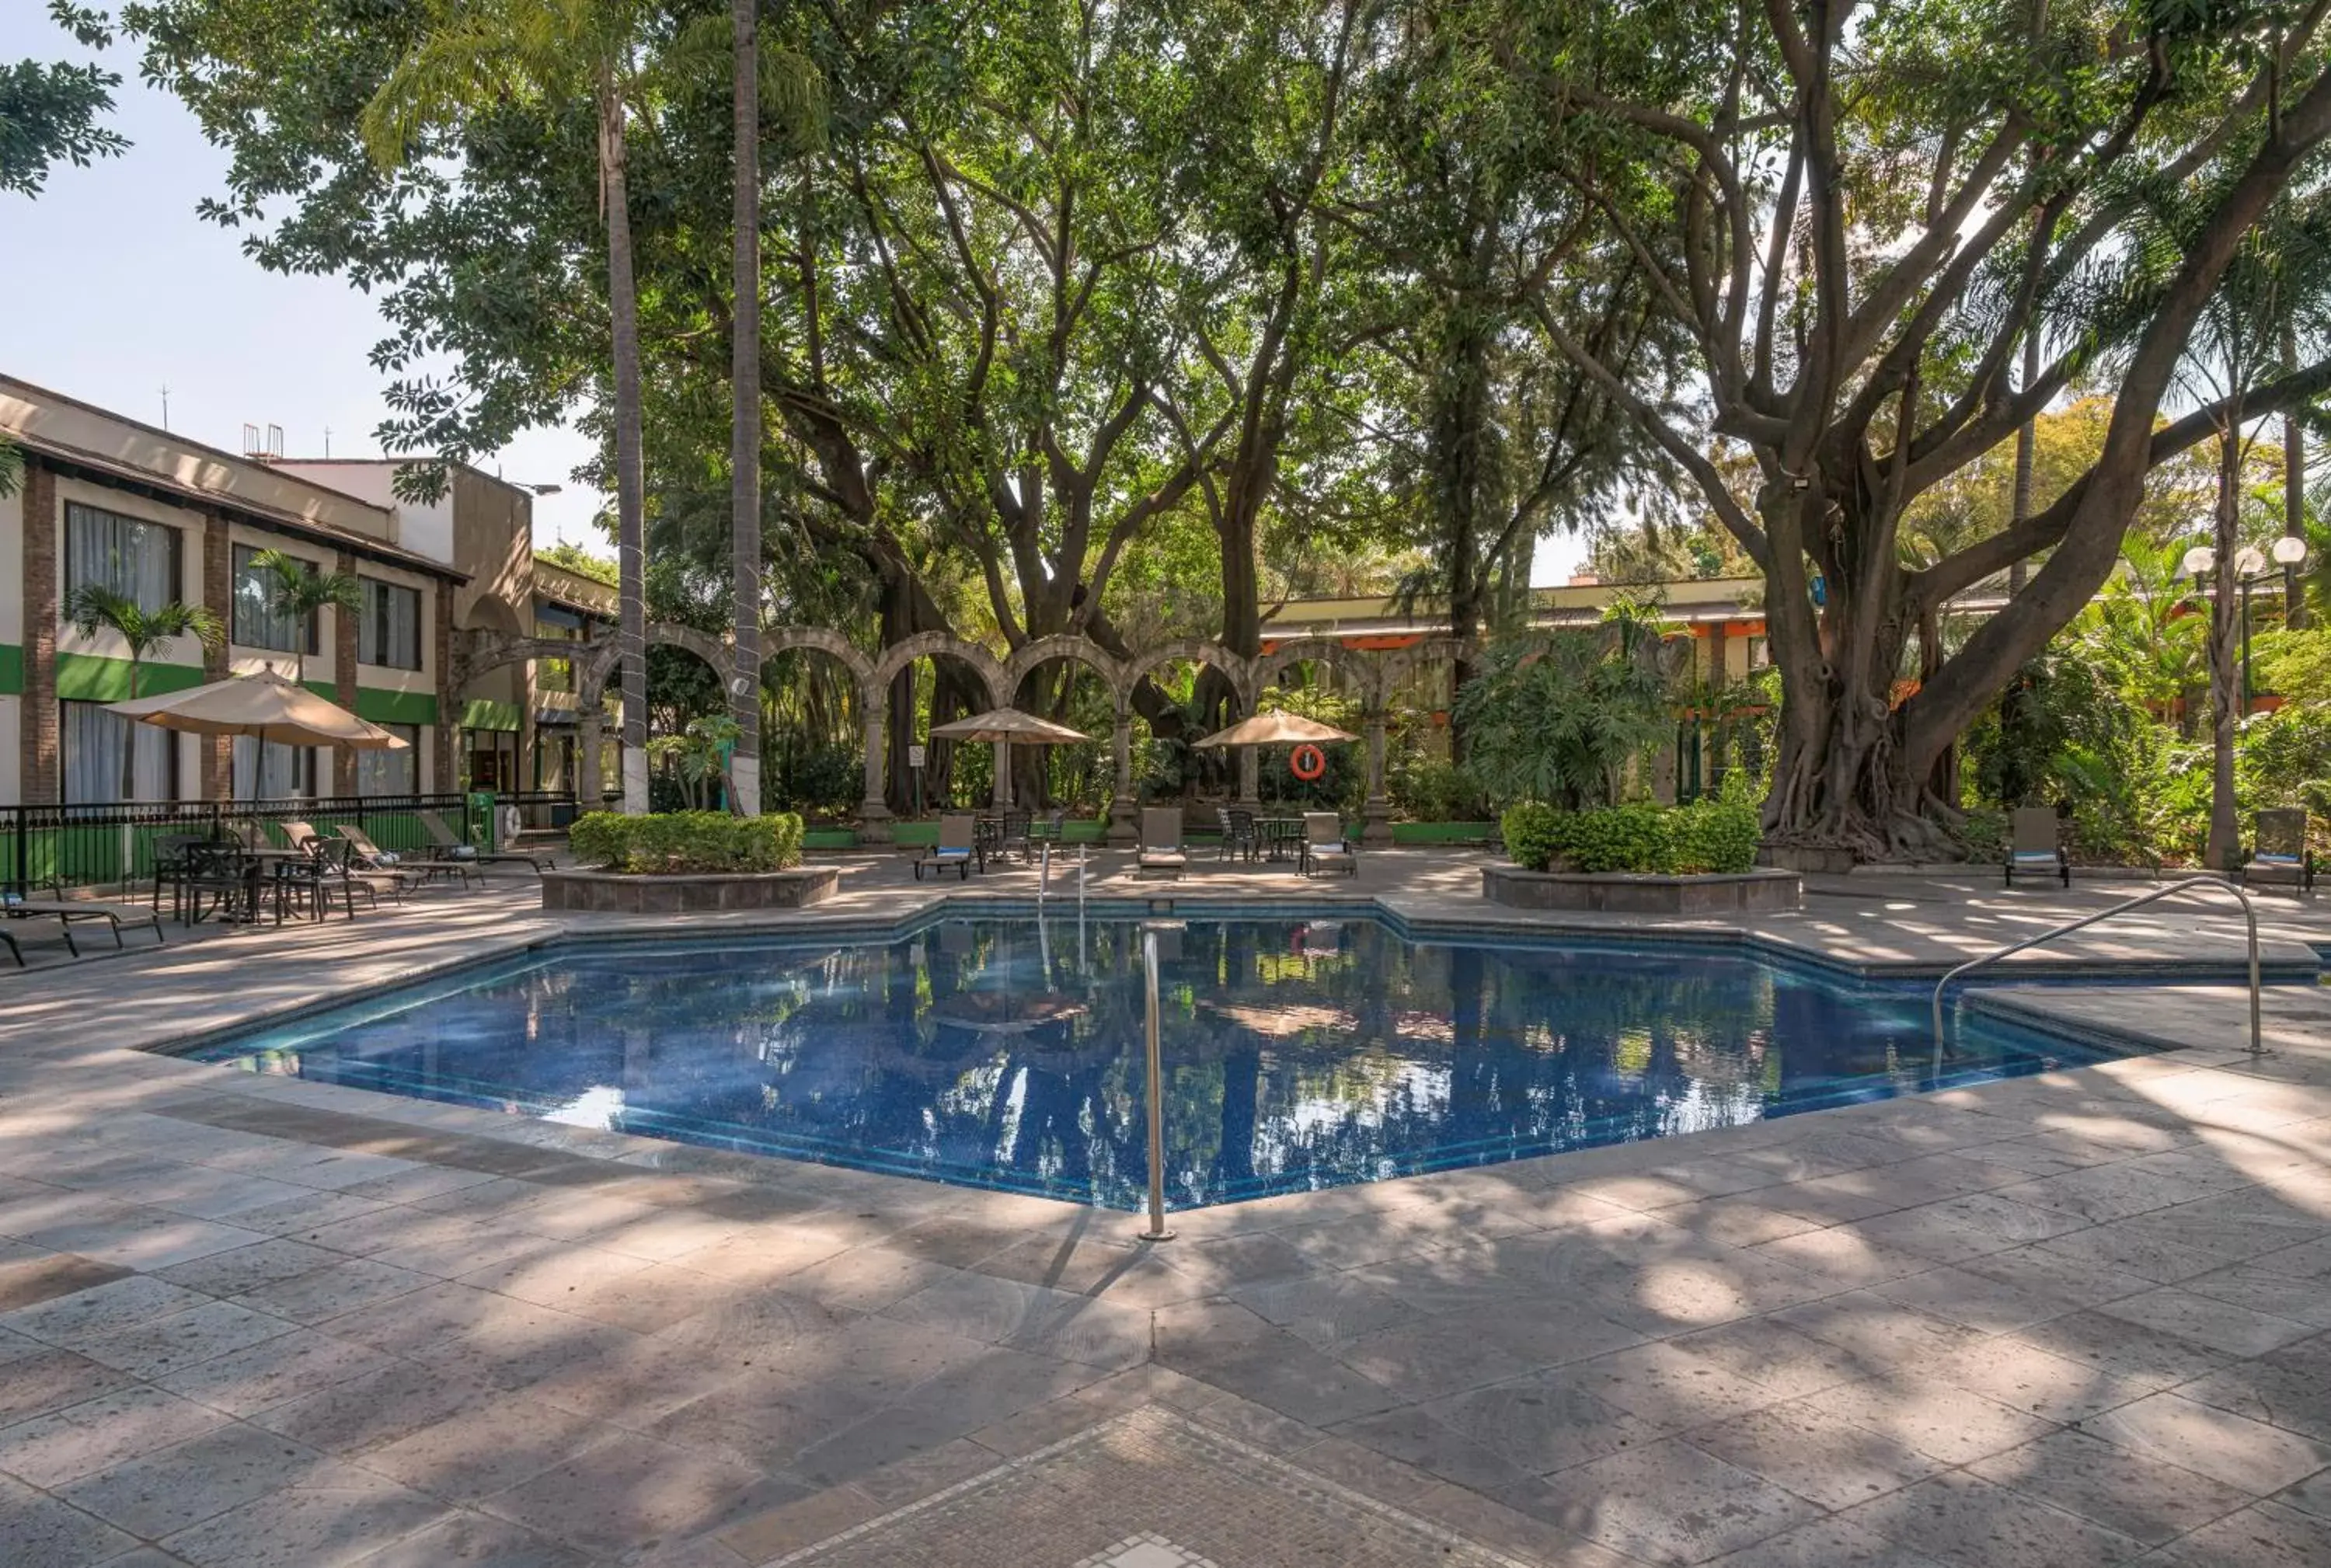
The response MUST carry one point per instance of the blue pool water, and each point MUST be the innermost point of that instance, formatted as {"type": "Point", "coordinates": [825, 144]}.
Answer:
{"type": "Point", "coordinates": [1000, 1054]}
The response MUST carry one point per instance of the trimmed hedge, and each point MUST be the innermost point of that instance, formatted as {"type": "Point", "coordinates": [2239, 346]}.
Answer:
{"type": "Point", "coordinates": [682, 841]}
{"type": "Point", "coordinates": [1707, 837]}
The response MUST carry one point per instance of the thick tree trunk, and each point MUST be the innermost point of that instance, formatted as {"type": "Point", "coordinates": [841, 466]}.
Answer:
{"type": "Point", "coordinates": [2294, 498]}
{"type": "Point", "coordinates": [745, 417]}
{"type": "Point", "coordinates": [2219, 854]}
{"type": "Point", "coordinates": [631, 556]}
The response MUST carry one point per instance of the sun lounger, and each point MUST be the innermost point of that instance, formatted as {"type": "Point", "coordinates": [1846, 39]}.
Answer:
{"type": "Point", "coordinates": [1161, 843]}
{"type": "Point", "coordinates": [2036, 849]}
{"type": "Point", "coordinates": [368, 859]}
{"type": "Point", "coordinates": [959, 847]}
{"type": "Point", "coordinates": [1325, 848]}
{"type": "Point", "coordinates": [68, 910]}
{"type": "Point", "coordinates": [445, 846]}
{"type": "Point", "coordinates": [2280, 857]}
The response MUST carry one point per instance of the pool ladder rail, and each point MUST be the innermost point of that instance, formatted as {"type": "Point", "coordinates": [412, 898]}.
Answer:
{"type": "Point", "coordinates": [2188, 884]}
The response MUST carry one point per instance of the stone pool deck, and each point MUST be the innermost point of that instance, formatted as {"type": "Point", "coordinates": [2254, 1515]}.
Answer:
{"type": "Point", "coordinates": [2078, 1318]}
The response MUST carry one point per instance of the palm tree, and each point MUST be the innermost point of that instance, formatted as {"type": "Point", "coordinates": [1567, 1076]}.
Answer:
{"type": "Point", "coordinates": [483, 52]}
{"type": "Point", "coordinates": [745, 424]}
{"type": "Point", "coordinates": [297, 588]}
{"type": "Point", "coordinates": [93, 607]}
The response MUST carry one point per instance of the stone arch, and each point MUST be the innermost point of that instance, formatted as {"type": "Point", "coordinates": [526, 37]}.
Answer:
{"type": "Point", "coordinates": [714, 650]}
{"type": "Point", "coordinates": [1033, 655]}
{"type": "Point", "coordinates": [1367, 668]}
{"type": "Point", "coordinates": [1402, 663]}
{"type": "Point", "coordinates": [776, 640]}
{"type": "Point", "coordinates": [930, 644]}
{"type": "Point", "coordinates": [1197, 650]}
{"type": "Point", "coordinates": [490, 650]}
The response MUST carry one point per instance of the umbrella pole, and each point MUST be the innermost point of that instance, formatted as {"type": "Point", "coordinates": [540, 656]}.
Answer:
{"type": "Point", "coordinates": [1156, 1092]}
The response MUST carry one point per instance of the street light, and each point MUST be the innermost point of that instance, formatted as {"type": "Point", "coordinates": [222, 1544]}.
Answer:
{"type": "Point", "coordinates": [2252, 567]}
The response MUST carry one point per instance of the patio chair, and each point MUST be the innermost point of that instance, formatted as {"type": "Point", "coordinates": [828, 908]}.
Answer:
{"type": "Point", "coordinates": [13, 951]}
{"type": "Point", "coordinates": [169, 868]}
{"type": "Point", "coordinates": [1016, 834]}
{"type": "Point", "coordinates": [1325, 848]}
{"type": "Point", "coordinates": [297, 834]}
{"type": "Point", "coordinates": [68, 910]}
{"type": "Point", "coordinates": [959, 847]}
{"type": "Point", "coordinates": [370, 857]}
{"type": "Point", "coordinates": [224, 870]}
{"type": "Point", "coordinates": [327, 869]}
{"type": "Point", "coordinates": [445, 846]}
{"type": "Point", "coordinates": [2280, 857]}
{"type": "Point", "coordinates": [1161, 843]}
{"type": "Point", "coordinates": [2036, 847]}
{"type": "Point", "coordinates": [1238, 833]}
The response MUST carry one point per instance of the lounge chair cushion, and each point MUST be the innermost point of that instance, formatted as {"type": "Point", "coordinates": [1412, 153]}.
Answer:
{"type": "Point", "coordinates": [2037, 857]}
{"type": "Point", "coordinates": [1163, 858]}
{"type": "Point", "coordinates": [2266, 857]}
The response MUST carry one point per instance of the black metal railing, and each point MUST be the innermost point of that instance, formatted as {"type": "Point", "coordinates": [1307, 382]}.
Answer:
{"type": "Point", "coordinates": [92, 846]}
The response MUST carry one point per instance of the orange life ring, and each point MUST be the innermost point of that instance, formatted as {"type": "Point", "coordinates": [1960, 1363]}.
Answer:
{"type": "Point", "coordinates": [1306, 762]}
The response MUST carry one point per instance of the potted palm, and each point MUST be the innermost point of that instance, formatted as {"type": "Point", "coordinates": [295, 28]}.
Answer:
{"type": "Point", "coordinates": [93, 607]}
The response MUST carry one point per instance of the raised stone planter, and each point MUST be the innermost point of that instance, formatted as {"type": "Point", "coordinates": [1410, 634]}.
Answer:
{"type": "Point", "coordinates": [1627, 893]}
{"type": "Point", "coordinates": [615, 893]}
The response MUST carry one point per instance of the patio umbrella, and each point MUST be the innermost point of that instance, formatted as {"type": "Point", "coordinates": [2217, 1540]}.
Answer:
{"type": "Point", "coordinates": [1009, 725]}
{"type": "Point", "coordinates": [1276, 729]}
{"type": "Point", "coordinates": [265, 705]}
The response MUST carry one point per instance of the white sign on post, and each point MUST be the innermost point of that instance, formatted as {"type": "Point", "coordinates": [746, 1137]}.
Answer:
{"type": "Point", "coordinates": [915, 756]}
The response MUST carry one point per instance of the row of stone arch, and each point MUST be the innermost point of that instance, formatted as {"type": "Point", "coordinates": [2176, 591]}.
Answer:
{"type": "Point", "coordinates": [1373, 674]}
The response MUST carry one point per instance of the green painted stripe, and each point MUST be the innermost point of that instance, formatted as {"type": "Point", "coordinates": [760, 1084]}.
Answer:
{"type": "Point", "coordinates": [484, 713]}
{"type": "Point", "coordinates": [87, 678]}
{"type": "Point", "coordinates": [396, 706]}
{"type": "Point", "coordinates": [12, 670]}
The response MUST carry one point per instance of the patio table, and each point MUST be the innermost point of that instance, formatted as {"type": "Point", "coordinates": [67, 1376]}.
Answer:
{"type": "Point", "coordinates": [1282, 837]}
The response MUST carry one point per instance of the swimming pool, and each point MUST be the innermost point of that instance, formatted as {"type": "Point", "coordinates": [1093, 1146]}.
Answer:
{"type": "Point", "coordinates": [1007, 1052]}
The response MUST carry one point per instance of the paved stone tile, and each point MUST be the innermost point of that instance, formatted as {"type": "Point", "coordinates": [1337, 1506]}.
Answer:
{"type": "Point", "coordinates": [2253, 1285]}
{"type": "Point", "coordinates": [789, 1526]}
{"type": "Point", "coordinates": [2037, 1382]}
{"type": "Point", "coordinates": [934, 1469]}
{"type": "Point", "coordinates": [1772, 1354]}
{"type": "Point", "coordinates": [291, 1366]}
{"type": "Point", "coordinates": [1815, 1453]}
{"type": "Point", "coordinates": [373, 1408]}
{"type": "Point", "coordinates": [73, 1320]}
{"type": "Point", "coordinates": [627, 1493]}
{"type": "Point", "coordinates": [1936, 1418]}
{"type": "Point", "coordinates": [1968, 1523]}
{"type": "Point", "coordinates": [2110, 1486]}
{"type": "Point", "coordinates": [1877, 1331]}
{"type": "Point", "coordinates": [865, 1279]}
{"type": "Point", "coordinates": [40, 1532]}
{"type": "Point", "coordinates": [308, 1216]}
{"type": "Point", "coordinates": [82, 1439]}
{"type": "Point", "coordinates": [476, 1452]}
{"type": "Point", "coordinates": [477, 1540]}
{"type": "Point", "coordinates": [1669, 1503]}
{"type": "Point", "coordinates": [53, 1379]}
{"type": "Point", "coordinates": [1825, 1543]}
{"type": "Point", "coordinates": [41, 1276]}
{"type": "Point", "coordinates": [250, 1268]}
{"type": "Point", "coordinates": [1972, 1300]}
{"type": "Point", "coordinates": [1667, 1387]}
{"type": "Point", "coordinates": [349, 1285]}
{"type": "Point", "coordinates": [158, 1494]}
{"type": "Point", "coordinates": [150, 1350]}
{"type": "Point", "coordinates": [1542, 1423]}
{"type": "Point", "coordinates": [2261, 1537]}
{"type": "Point", "coordinates": [2124, 1349]}
{"type": "Point", "coordinates": [1427, 1360]}
{"type": "Point", "coordinates": [2290, 1388]}
{"type": "Point", "coordinates": [2220, 1444]}
{"type": "Point", "coordinates": [326, 1519]}
{"type": "Point", "coordinates": [2208, 1321]}
{"type": "Point", "coordinates": [145, 1239]}
{"type": "Point", "coordinates": [1416, 1438]}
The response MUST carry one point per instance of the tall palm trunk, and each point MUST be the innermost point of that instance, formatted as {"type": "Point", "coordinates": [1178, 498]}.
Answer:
{"type": "Point", "coordinates": [129, 734]}
{"type": "Point", "coordinates": [2218, 854]}
{"type": "Point", "coordinates": [745, 421]}
{"type": "Point", "coordinates": [630, 558]}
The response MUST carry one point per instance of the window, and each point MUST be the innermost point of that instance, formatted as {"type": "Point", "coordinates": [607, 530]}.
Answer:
{"type": "Point", "coordinates": [390, 633]}
{"type": "Point", "coordinates": [92, 740]}
{"type": "Point", "coordinates": [285, 772]}
{"type": "Point", "coordinates": [393, 772]}
{"type": "Point", "coordinates": [137, 559]}
{"type": "Point", "coordinates": [492, 759]}
{"type": "Point", "coordinates": [554, 674]}
{"type": "Point", "coordinates": [260, 620]}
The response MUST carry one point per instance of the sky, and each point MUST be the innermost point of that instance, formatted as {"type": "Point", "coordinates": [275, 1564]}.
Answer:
{"type": "Point", "coordinates": [137, 294]}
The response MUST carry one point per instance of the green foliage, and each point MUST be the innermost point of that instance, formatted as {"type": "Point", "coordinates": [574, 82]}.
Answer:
{"type": "Point", "coordinates": [1716, 836]}
{"type": "Point", "coordinates": [697, 757]}
{"type": "Point", "coordinates": [1426, 790]}
{"type": "Point", "coordinates": [574, 558]}
{"type": "Point", "coordinates": [50, 111]}
{"type": "Point", "coordinates": [1560, 718]}
{"type": "Point", "coordinates": [820, 781]}
{"type": "Point", "coordinates": [2293, 665]}
{"type": "Point", "coordinates": [685, 841]}
{"type": "Point", "coordinates": [2284, 760]}
{"type": "Point", "coordinates": [1636, 837]}
{"type": "Point", "coordinates": [93, 607]}
{"type": "Point", "coordinates": [1532, 831]}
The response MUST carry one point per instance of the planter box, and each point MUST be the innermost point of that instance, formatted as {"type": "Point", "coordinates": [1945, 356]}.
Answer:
{"type": "Point", "coordinates": [614, 893]}
{"type": "Point", "coordinates": [829, 837]}
{"type": "Point", "coordinates": [1626, 893]}
{"type": "Point", "coordinates": [1813, 861]}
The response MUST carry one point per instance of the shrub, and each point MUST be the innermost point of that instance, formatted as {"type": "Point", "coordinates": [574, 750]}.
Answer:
{"type": "Point", "coordinates": [1533, 834]}
{"type": "Point", "coordinates": [682, 841]}
{"type": "Point", "coordinates": [1429, 791]}
{"type": "Point", "coordinates": [1630, 838]}
{"type": "Point", "coordinates": [1716, 836]}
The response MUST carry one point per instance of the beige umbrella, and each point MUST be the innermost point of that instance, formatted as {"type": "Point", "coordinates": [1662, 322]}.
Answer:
{"type": "Point", "coordinates": [265, 705]}
{"type": "Point", "coordinates": [1010, 726]}
{"type": "Point", "coordinates": [1276, 729]}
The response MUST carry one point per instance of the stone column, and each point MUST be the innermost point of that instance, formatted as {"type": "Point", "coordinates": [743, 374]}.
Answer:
{"type": "Point", "coordinates": [1121, 828]}
{"type": "Point", "coordinates": [589, 779]}
{"type": "Point", "coordinates": [1000, 787]}
{"type": "Point", "coordinates": [446, 778]}
{"type": "Point", "coordinates": [217, 751]}
{"type": "Point", "coordinates": [1377, 809]}
{"type": "Point", "coordinates": [1249, 776]}
{"type": "Point", "coordinates": [39, 720]}
{"type": "Point", "coordinates": [873, 814]}
{"type": "Point", "coordinates": [345, 624]}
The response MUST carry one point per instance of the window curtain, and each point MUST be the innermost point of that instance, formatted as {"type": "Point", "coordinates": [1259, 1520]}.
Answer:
{"type": "Point", "coordinates": [287, 772]}
{"type": "Point", "coordinates": [134, 559]}
{"type": "Point", "coordinates": [260, 619]}
{"type": "Point", "coordinates": [92, 740]}
{"type": "Point", "coordinates": [392, 771]}
{"type": "Point", "coordinates": [392, 626]}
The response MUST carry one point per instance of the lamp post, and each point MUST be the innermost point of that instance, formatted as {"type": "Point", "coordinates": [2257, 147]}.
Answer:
{"type": "Point", "coordinates": [2252, 566]}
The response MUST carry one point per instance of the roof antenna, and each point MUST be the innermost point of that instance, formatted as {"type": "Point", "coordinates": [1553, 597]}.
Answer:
{"type": "Point", "coordinates": [327, 444]}
{"type": "Point", "coordinates": [166, 407]}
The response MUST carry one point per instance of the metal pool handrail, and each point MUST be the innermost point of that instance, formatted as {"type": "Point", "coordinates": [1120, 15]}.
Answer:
{"type": "Point", "coordinates": [2249, 917]}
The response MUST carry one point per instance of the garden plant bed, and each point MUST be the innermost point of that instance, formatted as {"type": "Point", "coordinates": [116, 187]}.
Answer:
{"type": "Point", "coordinates": [626, 893]}
{"type": "Point", "coordinates": [1637, 893]}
